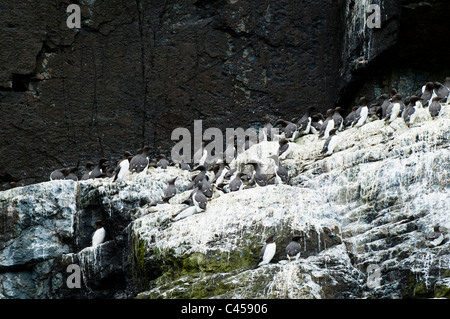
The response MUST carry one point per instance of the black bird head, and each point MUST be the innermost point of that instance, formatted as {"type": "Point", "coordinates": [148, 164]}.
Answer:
{"type": "Point", "coordinates": [270, 239]}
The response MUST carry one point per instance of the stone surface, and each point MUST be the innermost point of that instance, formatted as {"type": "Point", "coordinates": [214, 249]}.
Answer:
{"type": "Point", "coordinates": [367, 207]}
{"type": "Point", "coordinates": [36, 222]}
{"type": "Point", "coordinates": [73, 95]}
{"type": "Point", "coordinates": [137, 70]}
{"type": "Point", "coordinates": [365, 214]}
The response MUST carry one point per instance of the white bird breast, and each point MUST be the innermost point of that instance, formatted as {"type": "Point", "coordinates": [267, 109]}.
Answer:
{"type": "Point", "coordinates": [363, 116]}
{"type": "Point", "coordinates": [395, 111]}
{"type": "Point", "coordinates": [191, 210]}
{"type": "Point", "coordinates": [269, 252]}
{"type": "Point", "coordinates": [333, 143]}
{"type": "Point", "coordinates": [124, 166]}
{"type": "Point", "coordinates": [98, 237]}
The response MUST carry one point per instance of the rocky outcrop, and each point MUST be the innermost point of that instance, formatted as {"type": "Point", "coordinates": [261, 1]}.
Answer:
{"type": "Point", "coordinates": [136, 70]}
{"type": "Point", "coordinates": [366, 215]}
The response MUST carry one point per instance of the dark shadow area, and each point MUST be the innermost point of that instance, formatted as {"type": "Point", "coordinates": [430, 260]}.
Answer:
{"type": "Point", "coordinates": [419, 56]}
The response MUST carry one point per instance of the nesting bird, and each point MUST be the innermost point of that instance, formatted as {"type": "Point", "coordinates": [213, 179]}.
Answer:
{"type": "Point", "coordinates": [99, 234]}
{"type": "Point", "coordinates": [288, 128]}
{"type": "Point", "coordinates": [361, 113]}
{"type": "Point", "coordinates": [59, 174]}
{"type": "Point", "coordinates": [350, 118]}
{"type": "Point", "coordinates": [436, 237]}
{"type": "Point", "coordinates": [163, 162]}
{"type": "Point", "coordinates": [327, 125]}
{"type": "Point", "coordinates": [293, 249]}
{"type": "Point", "coordinates": [124, 167]}
{"type": "Point", "coordinates": [304, 124]}
{"type": "Point", "coordinates": [428, 93]}
{"type": "Point", "coordinates": [284, 149]}
{"type": "Point", "coordinates": [87, 173]}
{"type": "Point", "coordinates": [139, 163]}
{"type": "Point", "coordinates": [100, 169]}
{"type": "Point", "coordinates": [72, 174]}
{"type": "Point", "coordinates": [268, 127]}
{"type": "Point", "coordinates": [330, 143]}
{"type": "Point", "coordinates": [198, 197]}
{"type": "Point", "coordinates": [386, 101]}
{"type": "Point", "coordinates": [435, 107]}
{"type": "Point", "coordinates": [170, 190]}
{"type": "Point", "coordinates": [268, 251]}
{"type": "Point", "coordinates": [394, 109]}
{"type": "Point", "coordinates": [236, 183]}
{"type": "Point", "coordinates": [338, 119]}
{"type": "Point", "coordinates": [281, 173]}
{"type": "Point", "coordinates": [259, 177]}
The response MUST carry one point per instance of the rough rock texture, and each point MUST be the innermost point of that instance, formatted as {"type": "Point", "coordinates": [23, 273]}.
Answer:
{"type": "Point", "coordinates": [365, 214]}
{"type": "Point", "coordinates": [136, 70]}
{"type": "Point", "coordinates": [402, 54]}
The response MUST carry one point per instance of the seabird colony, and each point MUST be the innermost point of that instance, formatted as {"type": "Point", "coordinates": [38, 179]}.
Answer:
{"type": "Point", "coordinates": [390, 106]}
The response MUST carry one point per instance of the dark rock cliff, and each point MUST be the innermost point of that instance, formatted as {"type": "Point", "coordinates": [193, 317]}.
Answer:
{"type": "Point", "coordinates": [136, 70]}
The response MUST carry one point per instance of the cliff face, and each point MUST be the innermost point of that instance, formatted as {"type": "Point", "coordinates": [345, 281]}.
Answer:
{"type": "Point", "coordinates": [136, 70]}
{"type": "Point", "coordinates": [365, 213]}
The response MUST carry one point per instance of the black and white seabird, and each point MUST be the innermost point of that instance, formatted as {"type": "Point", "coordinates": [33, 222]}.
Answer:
{"type": "Point", "coordinates": [139, 163]}
{"type": "Point", "coordinates": [268, 127]}
{"type": "Point", "coordinates": [447, 82]}
{"type": "Point", "coordinates": [88, 166]}
{"type": "Point", "coordinates": [281, 173]}
{"type": "Point", "coordinates": [361, 113]}
{"type": "Point", "coordinates": [60, 173]}
{"type": "Point", "coordinates": [394, 109]}
{"type": "Point", "coordinates": [185, 212]}
{"type": "Point", "coordinates": [236, 183]}
{"type": "Point", "coordinates": [100, 169]}
{"type": "Point", "coordinates": [436, 237]}
{"type": "Point", "coordinates": [288, 128]}
{"type": "Point", "coordinates": [152, 163]}
{"type": "Point", "coordinates": [72, 174]}
{"type": "Point", "coordinates": [198, 198]}
{"type": "Point", "coordinates": [207, 188]}
{"type": "Point", "coordinates": [199, 202]}
{"type": "Point", "coordinates": [197, 178]}
{"type": "Point", "coordinates": [327, 125]}
{"type": "Point", "coordinates": [294, 248]}
{"type": "Point", "coordinates": [163, 162]}
{"type": "Point", "coordinates": [428, 93]}
{"type": "Point", "coordinates": [330, 143]}
{"type": "Point", "coordinates": [123, 167]}
{"type": "Point", "coordinates": [268, 251]}
{"type": "Point", "coordinates": [435, 107]}
{"type": "Point", "coordinates": [441, 91]}
{"type": "Point", "coordinates": [185, 166]}
{"type": "Point", "coordinates": [259, 177]}
{"type": "Point", "coordinates": [374, 112]}
{"type": "Point", "coordinates": [350, 118]}
{"type": "Point", "coordinates": [222, 170]}
{"type": "Point", "coordinates": [99, 235]}
{"type": "Point", "coordinates": [338, 119]}
{"type": "Point", "coordinates": [200, 155]}
{"type": "Point", "coordinates": [384, 106]}
{"type": "Point", "coordinates": [393, 92]}
{"type": "Point", "coordinates": [304, 124]}
{"type": "Point", "coordinates": [316, 124]}
{"type": "Point", "coordinates": [410, 111]}
{"type": "Point", "coordinates": [170, 190]}
{"type": "Point", "coordinates": [284, 149]}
